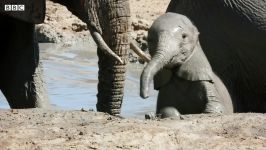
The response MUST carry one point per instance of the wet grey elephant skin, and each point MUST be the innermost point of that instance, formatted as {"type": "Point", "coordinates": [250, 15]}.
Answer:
{"type": "Point", "coordinates": [233, 38]}
{"type": "Point", "coordinates": [21, 76]}
{"type": "Point", "coordinates": [181, 71]}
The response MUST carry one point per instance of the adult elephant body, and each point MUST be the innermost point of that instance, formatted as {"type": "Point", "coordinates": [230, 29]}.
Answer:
{"type": "Point", "coordinates": [108, 22]}
{"type": "Point", "coordinates": [233, 37]}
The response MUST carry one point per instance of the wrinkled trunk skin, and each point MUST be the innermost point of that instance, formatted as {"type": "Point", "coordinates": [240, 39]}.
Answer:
{"type": "Point", "coordinates": [115, 17]}
{"type": "Point", "coordinates": [161, 54]}
{"type": "Point", "coordinates": [110, 18]}
{"type": "Point", "coordinates": [153, 67]}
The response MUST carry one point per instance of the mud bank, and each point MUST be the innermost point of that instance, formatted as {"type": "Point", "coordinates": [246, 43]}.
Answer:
{"type": "Point", "coordinates": [43, 129]}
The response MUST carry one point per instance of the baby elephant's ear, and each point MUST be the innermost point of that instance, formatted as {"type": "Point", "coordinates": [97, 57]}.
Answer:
{"type": "Point", "coordinates": [190, 40]}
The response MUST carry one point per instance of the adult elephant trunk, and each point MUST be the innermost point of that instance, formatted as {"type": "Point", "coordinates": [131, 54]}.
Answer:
{"type": "Point", "coordinates": [108, 22]}
{"type": "Point", "coordinates": [112, 72]}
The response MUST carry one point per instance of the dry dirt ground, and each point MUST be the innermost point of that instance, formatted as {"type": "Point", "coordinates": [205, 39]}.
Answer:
{"type": "Point", "coordinates": [43, 129]}
{"type": "Point", "coordinates": [147, 10]}
{"type": "Point", "coordinates": [52, 129]}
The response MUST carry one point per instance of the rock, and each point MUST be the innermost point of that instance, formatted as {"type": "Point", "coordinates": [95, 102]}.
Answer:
{"type": "Point", "coordinates": [150, 116]}
{"type": "Point", "coordinates": [132, 58]}
{"type": "Point", "coordinates": [140, 24]}
{"type": "Point", "coordinates": [46, 35]}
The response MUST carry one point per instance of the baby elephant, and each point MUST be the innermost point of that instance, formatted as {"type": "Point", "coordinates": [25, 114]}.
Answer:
{"type": "Point", "coordinates": [181, 71]}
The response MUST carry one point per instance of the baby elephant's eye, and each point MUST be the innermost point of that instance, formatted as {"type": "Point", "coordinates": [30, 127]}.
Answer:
{"type": "Point", "coordinates": [184, 35]}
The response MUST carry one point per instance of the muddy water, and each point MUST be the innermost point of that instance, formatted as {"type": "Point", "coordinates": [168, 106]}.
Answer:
{"type": "Point", "coordinates": [71, 79]}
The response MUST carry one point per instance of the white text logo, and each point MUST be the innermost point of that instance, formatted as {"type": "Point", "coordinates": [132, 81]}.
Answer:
{"type": "Point", "coordinates": [14, 7]}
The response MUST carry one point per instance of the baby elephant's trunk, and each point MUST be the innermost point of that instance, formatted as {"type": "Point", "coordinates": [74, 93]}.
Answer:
{"type": "Point", "coordinates": [157, 62]}
{"type": "Point", "coordinates": [164, 51]}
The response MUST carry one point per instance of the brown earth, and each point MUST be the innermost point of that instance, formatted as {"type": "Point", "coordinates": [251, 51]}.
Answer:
{"type": "Point", "coordinates": [43, 129]}
{"type": "Point", "coordinates": [147, 10]}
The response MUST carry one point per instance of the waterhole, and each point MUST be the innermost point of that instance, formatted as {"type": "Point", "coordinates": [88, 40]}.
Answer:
{"type": "Point", "coordinates": [70, 73]}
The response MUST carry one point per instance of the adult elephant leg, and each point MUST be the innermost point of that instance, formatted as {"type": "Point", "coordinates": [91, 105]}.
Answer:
{"type": "Point", "coordinates": [22, 82]}
{"type": "Point", "coordinates": [112, 72]}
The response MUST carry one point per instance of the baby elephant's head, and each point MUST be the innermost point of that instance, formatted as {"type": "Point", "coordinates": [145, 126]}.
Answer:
{"type": "Point", "coordinates": [171, 40]}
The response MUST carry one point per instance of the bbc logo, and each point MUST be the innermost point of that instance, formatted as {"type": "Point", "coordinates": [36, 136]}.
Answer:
{"type": "Point", "coordinates": [14, 7]}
